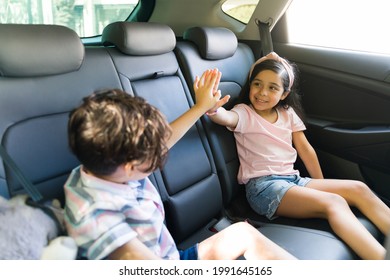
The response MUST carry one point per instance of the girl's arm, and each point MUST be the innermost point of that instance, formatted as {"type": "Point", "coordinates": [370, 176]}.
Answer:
{"type": "Point", "coordinates": [307, 154]}
{"type": "Point", "coordinates": [224, 117]}
{"type": "Point", "coordinates": [206, 97]}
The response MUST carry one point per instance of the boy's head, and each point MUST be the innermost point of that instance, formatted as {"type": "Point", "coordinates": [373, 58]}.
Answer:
{"type": "Point", "coordinates": [112, 128]}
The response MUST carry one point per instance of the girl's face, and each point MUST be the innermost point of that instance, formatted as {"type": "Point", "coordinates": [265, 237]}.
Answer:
{"type": "Point", "coordinates": [265, 92]}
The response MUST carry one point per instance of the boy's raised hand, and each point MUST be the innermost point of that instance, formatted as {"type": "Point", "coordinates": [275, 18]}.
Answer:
{"type": "Point", "coordinates": [207, 95]}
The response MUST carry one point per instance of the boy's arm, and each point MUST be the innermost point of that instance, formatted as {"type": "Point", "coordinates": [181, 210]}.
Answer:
{"type": "Point", "coordinates": [133, 250]}
{"type": "Point", "coordinates": [307, 154]}
{"type": "Point", "coordinates": [206, 95]}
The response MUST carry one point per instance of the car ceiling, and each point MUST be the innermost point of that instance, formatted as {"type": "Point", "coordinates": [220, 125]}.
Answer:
{"type": "Point", "coordinates": [208, 12]}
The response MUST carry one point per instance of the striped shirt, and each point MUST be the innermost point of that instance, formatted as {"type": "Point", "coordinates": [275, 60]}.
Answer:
{"type": "Point", "coordinates": [102, 216]}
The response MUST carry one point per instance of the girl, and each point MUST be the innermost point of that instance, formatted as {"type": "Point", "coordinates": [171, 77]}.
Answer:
{"type": "Point", "coordinates": [269, 135]}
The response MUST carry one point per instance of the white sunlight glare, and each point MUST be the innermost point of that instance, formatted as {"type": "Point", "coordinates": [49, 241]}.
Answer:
{"type": "Point", "coordinates": [345, 24]}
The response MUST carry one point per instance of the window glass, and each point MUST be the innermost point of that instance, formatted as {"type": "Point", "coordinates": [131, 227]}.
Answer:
{"type": "Point", "coordinates": [344, 24]}
{"type": "Point", "coordinates": [241, 10]}
{"type": "Point", "coordinates": [86, 17]}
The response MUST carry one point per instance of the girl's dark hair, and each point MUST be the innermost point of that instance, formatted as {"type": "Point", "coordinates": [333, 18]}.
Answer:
{"type": "Point", "coordinates": [111, 128]}
{"type": "Point", "coordinates": [292, 100]}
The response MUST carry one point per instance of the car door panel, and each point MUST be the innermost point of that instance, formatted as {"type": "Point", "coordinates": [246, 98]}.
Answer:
{"type": "Point", "coordinates": [346, 99]}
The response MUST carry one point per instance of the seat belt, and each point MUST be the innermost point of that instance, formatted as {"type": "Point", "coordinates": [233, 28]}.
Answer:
{"type": "Point", "coordinates": [35, 197]}
{"type": "Point", "coordinates": [265, 37]}
{"type": "Point", "coordinates": [31, 190]}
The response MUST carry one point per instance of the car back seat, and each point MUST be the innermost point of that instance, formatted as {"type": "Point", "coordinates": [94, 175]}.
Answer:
{"type": "Point", "coordinates": [45, 71]}
{"type": "Point", "coordinates": [188, 183]}
{"type": "Point", "coordinates": [203, 48]}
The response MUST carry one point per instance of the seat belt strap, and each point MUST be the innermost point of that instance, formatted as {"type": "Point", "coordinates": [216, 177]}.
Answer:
{"type": "Point", "coordinates": [31, 190]}
{"type": "Point", "coordinates": [265, 37]}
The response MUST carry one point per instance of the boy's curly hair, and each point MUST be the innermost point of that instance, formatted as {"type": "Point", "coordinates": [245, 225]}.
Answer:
{"type": "Point", "coordinates": [111, 128]}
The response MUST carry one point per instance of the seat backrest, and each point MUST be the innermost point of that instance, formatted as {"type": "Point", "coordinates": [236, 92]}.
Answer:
{"type": "Point", "coordinates": [45, 71]}
{"type": "Point", "coordinates": [143, 54]}
{"type": "Point", "coordinates": [204, 48]}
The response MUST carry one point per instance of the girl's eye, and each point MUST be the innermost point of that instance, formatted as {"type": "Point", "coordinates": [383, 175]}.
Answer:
{"type": "Point", "coordinates": [257, 84]}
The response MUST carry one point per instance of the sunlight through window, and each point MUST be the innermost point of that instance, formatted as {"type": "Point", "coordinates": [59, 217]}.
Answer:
{"type": "Point", "coordinates": [345, 24]}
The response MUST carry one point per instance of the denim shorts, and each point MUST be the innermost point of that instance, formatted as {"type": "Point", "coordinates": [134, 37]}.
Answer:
{"type": "Point", "coordinates": [190, 253]}
{"type": "Point", "coordinates": [265, 193]}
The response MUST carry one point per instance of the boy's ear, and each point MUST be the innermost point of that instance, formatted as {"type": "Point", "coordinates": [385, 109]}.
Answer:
{"type": "Point", "coordinates": [129, 167]}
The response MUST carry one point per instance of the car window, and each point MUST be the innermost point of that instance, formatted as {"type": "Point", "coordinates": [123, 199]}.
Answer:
{"type": "Point", "coordinates": [86, 17]}
{"type": "Point", "coordinates": [344, 24]}
{"type": "Point", "coordinates": [241, 10]}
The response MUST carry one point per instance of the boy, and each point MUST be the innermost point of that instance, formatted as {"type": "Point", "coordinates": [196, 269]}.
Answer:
{"type": "Point", "coordinates": [112, 209]}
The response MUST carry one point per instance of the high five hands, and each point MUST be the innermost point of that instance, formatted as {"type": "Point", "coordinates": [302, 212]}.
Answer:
{"type": "Point", "coordinates": [207, 93]}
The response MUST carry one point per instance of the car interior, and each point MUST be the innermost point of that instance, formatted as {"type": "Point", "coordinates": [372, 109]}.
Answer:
{"type": "Point", "coordinates": [46, 70]}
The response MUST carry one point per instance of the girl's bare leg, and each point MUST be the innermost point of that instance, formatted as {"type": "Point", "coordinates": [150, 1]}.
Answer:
{"type": "Point", "coordinates": [359, 195]}
{"type": "Point", "coordinates": [310, 202]}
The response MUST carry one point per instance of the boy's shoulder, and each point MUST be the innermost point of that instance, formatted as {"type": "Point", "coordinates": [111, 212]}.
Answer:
{"type": "Point", "coordinates": [86, 191]}
{"type": "Point", "coordinates": [74, 177]}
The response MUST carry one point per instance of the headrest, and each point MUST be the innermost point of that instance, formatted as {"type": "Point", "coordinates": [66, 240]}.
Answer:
{"type": "Point", "coordinates": [140, 38]}
{"type": "Point", "coordinates": [39, 50]}
{"type": "Point", "coordinates": [213, 42]}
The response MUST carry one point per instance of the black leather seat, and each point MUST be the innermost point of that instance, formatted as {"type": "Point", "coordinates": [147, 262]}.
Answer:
{"type": "Point", "coordinates": [45, 71]}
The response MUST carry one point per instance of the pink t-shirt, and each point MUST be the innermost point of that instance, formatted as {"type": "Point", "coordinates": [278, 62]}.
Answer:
{"type": "Point", "coordinates": [265, 148]}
